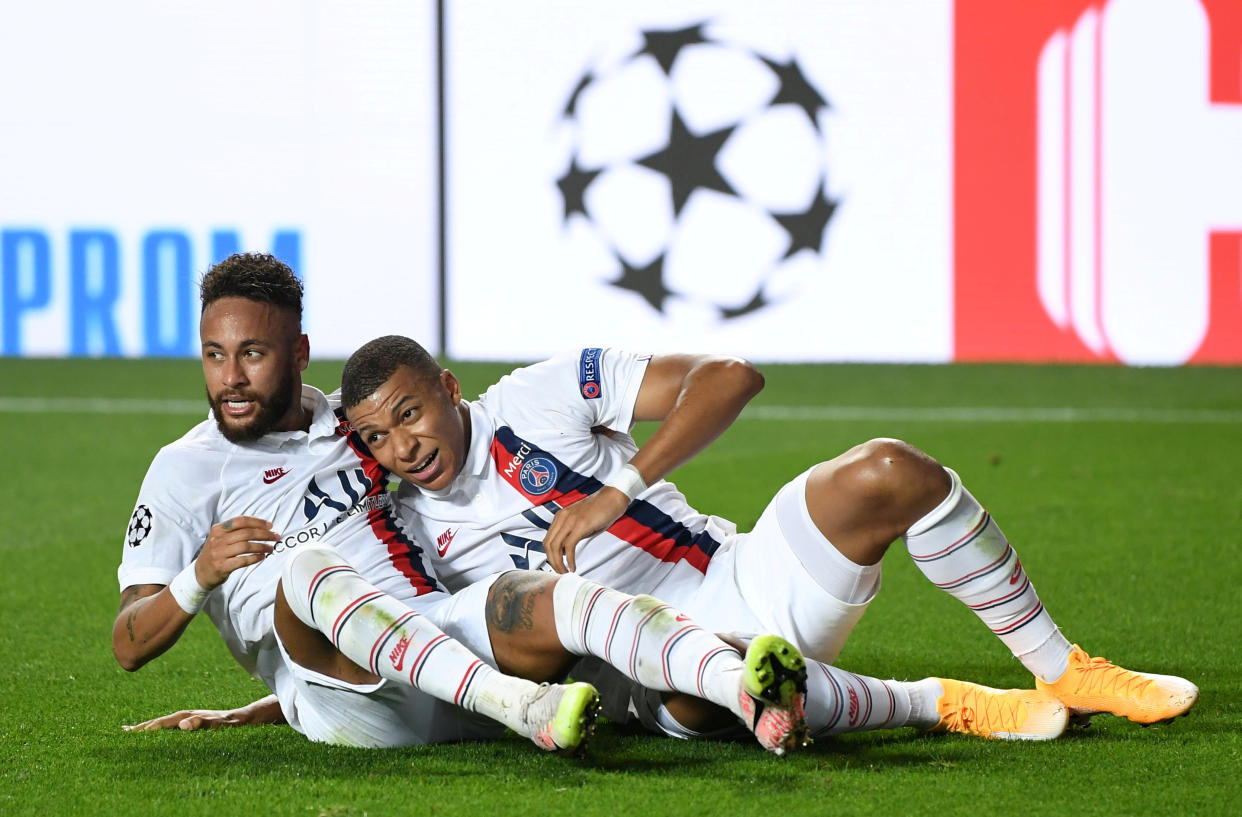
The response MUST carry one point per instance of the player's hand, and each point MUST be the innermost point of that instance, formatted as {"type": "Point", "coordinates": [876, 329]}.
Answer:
{"type": "Point", "coordinates": [233, 544]}
{"type": "Point", "coordinates": [190, 720]}
{"type": "Point", "coordinates": [580, 520]}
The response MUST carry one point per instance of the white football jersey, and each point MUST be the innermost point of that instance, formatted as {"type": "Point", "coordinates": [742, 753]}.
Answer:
{"type": "Point", "coordinates": [542, 438]}
{"type": "Point", "coordinates": [320, 485]}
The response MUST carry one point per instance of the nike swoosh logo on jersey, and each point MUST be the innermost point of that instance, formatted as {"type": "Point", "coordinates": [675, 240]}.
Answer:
{"type": "Point", "coordinates": [444, 540]}
{"type": "Point", "coordinates": [273, 474]}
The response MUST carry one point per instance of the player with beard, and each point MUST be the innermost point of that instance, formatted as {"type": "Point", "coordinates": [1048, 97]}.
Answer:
{"type": "Point", "coordinates": [541, 471]}
{"type": "Point", "coordinates": [337, 613]}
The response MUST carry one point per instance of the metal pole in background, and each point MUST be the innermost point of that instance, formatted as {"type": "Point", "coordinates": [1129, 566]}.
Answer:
{"type": "Point", "coordinates": [441, 184]}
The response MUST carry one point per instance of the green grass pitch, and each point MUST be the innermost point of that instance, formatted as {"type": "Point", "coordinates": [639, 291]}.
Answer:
{"type": "Point", "coordinates": [1127, 514]}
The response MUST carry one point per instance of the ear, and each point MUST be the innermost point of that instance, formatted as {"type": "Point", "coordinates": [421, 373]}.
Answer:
{"type": "Point", "coordinates": [301, 352]}
{"type": "Point", "coordinates": [449, 381]}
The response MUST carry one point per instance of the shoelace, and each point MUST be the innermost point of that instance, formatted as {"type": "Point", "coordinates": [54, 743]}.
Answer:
{"type": "Point", "coordinates": [976, 708]}
{"type": "Point", "coordinates": [524, 712]}
{"type": "Point", "coordinates": [1099, 676]}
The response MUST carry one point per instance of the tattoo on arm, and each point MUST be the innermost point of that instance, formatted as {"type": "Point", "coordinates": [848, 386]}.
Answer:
{"type": "Point", "coordinates": [129, 594]}
{"type": "Point", "coordinates": [511, 601]}
{"type": "Point", "coordinates": [130, 597]}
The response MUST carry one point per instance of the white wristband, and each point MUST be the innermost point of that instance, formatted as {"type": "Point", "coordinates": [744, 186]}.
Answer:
{"type": "Point", "coordinates": [627, 480]}
{"type": "Point", "coordinates": [187, 592]}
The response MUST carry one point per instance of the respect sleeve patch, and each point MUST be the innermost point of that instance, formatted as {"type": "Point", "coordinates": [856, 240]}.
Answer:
{"type": "Point", "coordinates": [588, 374]}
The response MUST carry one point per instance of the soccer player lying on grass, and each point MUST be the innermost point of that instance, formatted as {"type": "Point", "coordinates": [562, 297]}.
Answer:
{"type": "Point", "coordinates": [541, 471]}
{"type": "Point", "coordinates": [262, 516]}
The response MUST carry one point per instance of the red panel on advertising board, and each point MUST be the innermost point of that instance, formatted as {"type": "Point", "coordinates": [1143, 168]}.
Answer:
{"type": "Point", "coordinates": [1224, 338]}
{"type": "Point", "coordinates": [998, 314]}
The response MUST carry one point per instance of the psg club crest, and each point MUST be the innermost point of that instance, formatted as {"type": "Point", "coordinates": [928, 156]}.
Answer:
{"type": "Point", "coordinates": [538, 476]}
{"type": "Point", "coordinates": [700, 167]}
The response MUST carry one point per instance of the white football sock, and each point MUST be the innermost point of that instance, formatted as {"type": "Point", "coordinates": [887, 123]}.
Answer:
{"type": "Point", "coordinates": [1049, 660]}
{"type": "Point", "coordinates": [923, 697]}
{"type": "Point", "coordinates": [379, 633]}
{"type": "Point", "coordinates": [962, 550]}
{"type": "Point", "coordinates": [838, 701]}
{"type": "Point", "coordinates": [647, 640]}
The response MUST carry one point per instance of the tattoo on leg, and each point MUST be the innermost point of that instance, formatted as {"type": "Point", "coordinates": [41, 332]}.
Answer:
{"type": "Point", "coordinates": [129, 623]}
{"type": "Point", "coordinates": [511, 601]}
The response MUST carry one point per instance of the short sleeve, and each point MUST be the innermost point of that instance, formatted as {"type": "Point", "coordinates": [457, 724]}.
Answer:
{"type": "Point", "coordinates": [170, 521]}
{"type": "Point", "coordinates": [584, 389]}
{"type": "Point", "coordinates": [620, 375]}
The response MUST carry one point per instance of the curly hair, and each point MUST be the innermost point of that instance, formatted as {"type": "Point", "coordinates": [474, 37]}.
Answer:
{"type": "Point", "coordinates": [370, 367]}
{"type": "Point", "coordinates": [255, 276]}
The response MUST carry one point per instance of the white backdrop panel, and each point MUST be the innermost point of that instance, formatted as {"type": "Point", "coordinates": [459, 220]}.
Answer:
{"type": "Point", "coordinates": [532, 269]}
{"type": "Point", "coordinates": [141, 135]}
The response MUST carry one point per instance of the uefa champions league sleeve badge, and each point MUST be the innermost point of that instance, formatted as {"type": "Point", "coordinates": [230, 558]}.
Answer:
{"type": "Point", "coordinates": [139, 526]}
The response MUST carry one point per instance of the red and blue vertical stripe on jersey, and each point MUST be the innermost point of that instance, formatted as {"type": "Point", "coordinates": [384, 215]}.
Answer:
{"type": "Point", "coordinates": [550, 481]}
{"type": "Point", "coordinates": [404, 554]}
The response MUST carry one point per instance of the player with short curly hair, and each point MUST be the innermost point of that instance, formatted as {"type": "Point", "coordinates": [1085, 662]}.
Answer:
{"type": "Point", "coordinates": [259, 277]}
{"type": "Point", "coordinates": [541, 471]}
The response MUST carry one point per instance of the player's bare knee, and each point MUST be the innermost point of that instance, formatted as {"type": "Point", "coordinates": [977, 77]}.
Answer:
{"type": "Point", "coordinates": [916, 482]}
{"type": "Point", "coordinates": [888, 480]}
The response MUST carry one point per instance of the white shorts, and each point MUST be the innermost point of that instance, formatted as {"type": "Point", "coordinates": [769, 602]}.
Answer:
{"type": "Point", "coordinates": [755, 583]}
{"type": "Point", "coordinates": [389, 714]}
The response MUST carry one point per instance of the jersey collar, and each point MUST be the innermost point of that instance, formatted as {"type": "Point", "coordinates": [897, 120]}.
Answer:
{"type": "Point", "coordinates": [480, 451]}
{"type": "Point", "coordinates": [324, 421]}
{"type": "Point", "coordinates": [477, 456]}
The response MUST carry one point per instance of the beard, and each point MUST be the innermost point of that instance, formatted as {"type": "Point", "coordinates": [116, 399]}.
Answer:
{"type": "Point", "coordinates": [272, 408]}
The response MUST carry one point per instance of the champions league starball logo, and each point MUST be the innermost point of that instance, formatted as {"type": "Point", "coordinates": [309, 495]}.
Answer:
{"type": "Point", "coordinates": [699, 166]}
{"type": "Point", "coordinates": [139, 526]}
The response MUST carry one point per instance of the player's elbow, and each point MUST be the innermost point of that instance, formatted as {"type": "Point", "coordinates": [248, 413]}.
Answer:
{"type": "Point", "coordinates": [127, 655]}
{"type": "Point", "coordinates": [755, 380]}
{"type": "Point", "coordinates": [129, 663]}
